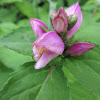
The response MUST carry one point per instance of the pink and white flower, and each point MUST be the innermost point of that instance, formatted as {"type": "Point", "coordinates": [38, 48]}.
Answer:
{"type": "Point", "coordinates": [60, 19]}
{"type": "Point", "coordinates": [48, 46]}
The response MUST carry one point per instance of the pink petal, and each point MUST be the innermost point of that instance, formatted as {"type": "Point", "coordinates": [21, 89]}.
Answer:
{"type": "Point", "coordinates": [79, 48]}
{"type": "Point", "coordinates": [35, 50]}
{"type": "Point", "coordinates": [36, 25]}
{"type": "Point", "coordinates": [74, 9]}
{"type": "Point", "coordinates": [60, 22]}
{"type": "Point", "coordinates": [45, 59]}
{"type": "Point", "coordinates": [36, 55]}
{"type": "Point", "coordinates": [52, 41]}
{"type": "Point", "coordinates": [59, 25]}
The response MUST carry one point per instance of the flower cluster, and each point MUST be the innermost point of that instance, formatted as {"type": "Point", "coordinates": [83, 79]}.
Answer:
{"type": "Point", "coordinates": [53, 43]}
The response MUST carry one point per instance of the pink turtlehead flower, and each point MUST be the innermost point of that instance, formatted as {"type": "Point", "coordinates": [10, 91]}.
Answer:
{"type": "Point", "coordinates": [49, 44]}
{"type": "Point", "coordinates": [60, 21]}
{"type": "Point", "coordinates": [79, 48]}
{"type": "Point", "coordinates": [47, 47]}
{"type": "Point", "coordinates": [74, 9]}
{"type": "Point", "coordinates": [36, 25]}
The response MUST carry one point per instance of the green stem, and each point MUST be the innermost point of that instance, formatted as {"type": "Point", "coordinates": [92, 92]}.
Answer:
{"type": "Point", "coordinates": [96, 8]}
{"type": "Point", "coordinates": [52, 6]}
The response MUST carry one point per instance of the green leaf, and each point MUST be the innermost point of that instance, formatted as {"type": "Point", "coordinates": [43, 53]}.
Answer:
{"type": "Point", "coordinates": [8, 15]}
{"type": "Point", "coordinates": [23, 22]}
{"type": "Point", "coordinates": [97, 16]}
{"type": "Point", "coordinates": [98, 97]}
{"type": "Point", "coordinates": [59, 4]}
{"type": "Point", "coordinates": [4, 74]}
{"type": "Point", "coordinates": [8, 1]}
{"type": "Point", "coordinates": [19, 40]}
{"type": "Point", "coordinates": [89, 5]}
{"type": "Point", "coordinates": [30, 84]}
{"type": "Point", "coordinates": [77, 90]}
{"type": "Point", "coordinates": [82, 2]}
{"type": "Point", "coordinates": [86, 69]}
{"type": "Point", "coordinates": [6, 28]}
{"type": "Point", "coordinates": [26, 8]}
{"type": "Point", "coordinates": [46, 30]}
{"type": "Point", "coordinates": [12, 59]}
{"type": "Point", "coordinates": [43, 15]}
{"type": "Point", "coordinates": [71, 2]}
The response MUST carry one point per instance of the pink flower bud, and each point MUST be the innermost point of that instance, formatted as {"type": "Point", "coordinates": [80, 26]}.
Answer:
{"type": "Point", "coordinates": [72, 19]}
{"type": "Point", "coordinates": [74, 9]}
{"type": "Point", "coordinates": [52, 14]}
{"type": "Point", "coordinates": [47, 47]}
{"type": "Point", "coordinates": [37, 27]}
{"type": "Point", "coordinates": [60, 22]}
{"type": "Point", "coordinates": [79, 48]}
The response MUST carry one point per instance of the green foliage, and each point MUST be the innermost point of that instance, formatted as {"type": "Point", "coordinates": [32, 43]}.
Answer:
{"type": "Point", "coordinates": [19, 40]}
{"type": "Point", "coordinates": [78, 91]}
{"type": "Point", "coordinates": [71, 2]}
{"type": "Point", "coordinates": [8, 1]}
{"type": "Point", "coordinates": [6, 27]}
{"type": "Point", "coordinates": [59, 4]}
{"type": "Point", "coordinates": [12, 59]}
{"type": "Point", "coordinates": [30, 84]}
{"type": "Point", "coordinates": [4, 74]}
{"type": "Point", "coordinates": [23, 22]}
{"type": "Point", "coordinates": [26, 8]}
{"type": "Point", "coordinates": [86, 69]}
{"type": "Point", "coordinates": [97, 16]}
{"type": "Point", "coordinates": [43, 12]}
{"type": "Point", "coordinates": [8, 15]}
{"type": "Point", "coordinates": [89, 6]}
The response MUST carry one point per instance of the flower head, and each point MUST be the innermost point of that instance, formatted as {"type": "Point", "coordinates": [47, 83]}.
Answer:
{"type": "Point", "coordinates": [47, 47]}
{"type": "Point", "coordinates": [60, 21]}
{"type": "Point", "coordinates": [49, 44]}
